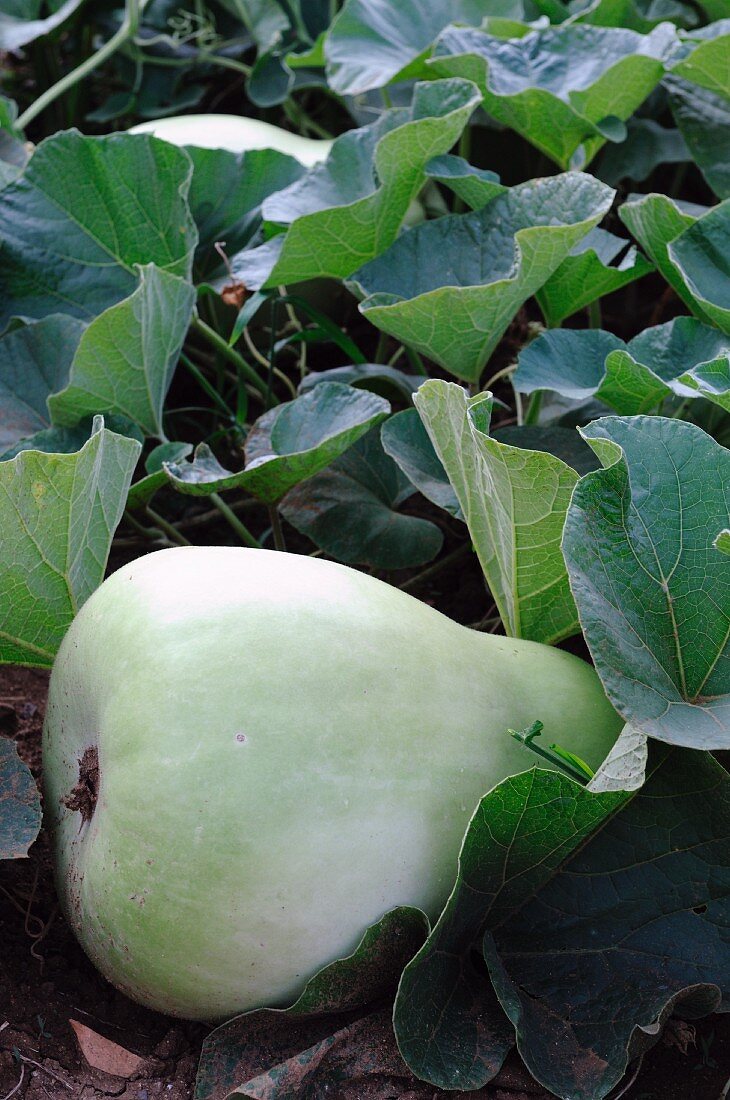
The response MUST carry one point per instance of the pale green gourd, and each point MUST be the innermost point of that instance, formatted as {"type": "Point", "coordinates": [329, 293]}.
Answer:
{"type": "Point", "coordinates": [235, 133]}
{"type": "Point", "coordinates": [287, 748]}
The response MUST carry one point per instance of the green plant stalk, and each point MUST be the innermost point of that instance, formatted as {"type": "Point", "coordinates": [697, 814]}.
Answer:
{"type": "Point", "coordinates": [234, 522]}
{"type": "Point", "coordinates": [532, 416]}
{"type": "Point", "coordinates": [594, 314]}
{"type": "Point", "coordinates": [128, 29]}
{"type": "Point", "coordinates": [172, 532]}
{"type": "Point", "coordinates": [276, 528]}
{"type": "Point", "coordinates": [219, 344]}
{"type": "Point", "coordinates": [205, 384]}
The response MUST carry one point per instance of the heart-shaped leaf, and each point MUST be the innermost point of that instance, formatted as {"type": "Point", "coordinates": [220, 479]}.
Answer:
{"type": "Point", "coordinates": [562, 88]}
{"type": "Point", "coordinates": [58, 514]}
{"type": "Point", "coordinates": [370, 42]}
{"type": "Point", "coordinates": [636, 920]}
{"type": "Point", "coordinates": [447, 1019]}
{"type": "Point", "coordinates": [349, 209]}
{"type": "Point", "coordinates": [450, 287]}
{"type": "Point", "coordinates": [683, 357]}
{"type": "Point", "coordinates": [72, 236]}
{"type": "Point", "coordinates": [125, 360]}
{"type": "Point", "coordinates": [288, 444]}
{"type": "Point", "coordinates": [652, 591]}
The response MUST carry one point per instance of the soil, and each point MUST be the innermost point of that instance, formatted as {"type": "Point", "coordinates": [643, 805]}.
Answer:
{"type": "Point", "coordinates": [46, 981]}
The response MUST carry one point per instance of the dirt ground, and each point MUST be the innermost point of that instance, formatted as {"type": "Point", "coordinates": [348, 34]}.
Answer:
{"type": "Point", "coordinates": [46, 981]}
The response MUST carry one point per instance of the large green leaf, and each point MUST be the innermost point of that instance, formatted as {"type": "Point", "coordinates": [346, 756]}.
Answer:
{"type": "Point", "coordinates": [35, 360]}
{"type": "Point", "coordinates": [566, 89]}
{"type": "Point", "coordinates": [349, 209]}
{"type": "Point", "coordinates": [657, 222]}
{"type": "Point", "coordinates": [287, 444]}
{"type": "Point", "coordinates": [514, 502]}
{"type": "Point", "coordinates": [450, 287]}
{"type": "Point", "coordinates": [633, 925]}
{"type": "Point", "coordinates": [683, 357]}
{"type": "Point", "coordinates": [84, 213]}
{"type": "Point", "coordinates": [226, 194]}
{"type": "Point", "coordinates": [20, 23]}
{"type": "Point", "coordinates": [57, 514]}
{"type": "Point", "coordinates": [370, 973]}
{"type": "Point", "coordinates": [653, 592]}
{"type": "Point", "coordinates": [351, 511]}
{"type": "Point", "coordinates": [126, 357]}
{"type": "Point", "coordinates": [447, 1019]}
{"type": "Point", "coordinates": [595, 913]}
{"type": "Point", "coordinates": [370, 42]}
{"type": "Point", "coordinates": [20, 804]}
{"type": "Point", "coordinates": [594, 267]}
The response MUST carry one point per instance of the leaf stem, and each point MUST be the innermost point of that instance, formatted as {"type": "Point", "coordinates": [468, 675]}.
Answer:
{"type": "Point", "coordinates": [234, 522]}
{"type": "Point", "coordinates": [276, 528]}
{"type": "Point", "coordinates": [232, 356]}
{"type": "Point", "coordinates": [532, 416]}
{"type": "Point", "coordinates": [128, 29]}
{"type": "Point", "coordinates": [594, 314]}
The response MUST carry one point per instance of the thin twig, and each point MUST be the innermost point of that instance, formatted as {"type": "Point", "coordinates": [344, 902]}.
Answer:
{"type": "Point", "coordinates": [20, 1082]}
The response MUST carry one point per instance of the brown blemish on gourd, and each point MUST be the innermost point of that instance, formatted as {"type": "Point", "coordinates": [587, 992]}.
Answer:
{"type": "Point", "coordinates": [83, 796]}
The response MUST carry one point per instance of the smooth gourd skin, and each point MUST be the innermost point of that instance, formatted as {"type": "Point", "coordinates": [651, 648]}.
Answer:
{"type": "Point", "coordinates": [237, 134]}
{"type": "Point", "coordinates": [287, 749]}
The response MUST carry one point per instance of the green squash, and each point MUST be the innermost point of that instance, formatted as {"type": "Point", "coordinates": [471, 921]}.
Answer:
{"type": "Point", "coordinates": [237, 134]}
{"type": "Point", "coordinates": [250, 756]}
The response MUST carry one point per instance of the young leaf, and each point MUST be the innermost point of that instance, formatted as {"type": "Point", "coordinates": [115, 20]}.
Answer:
{"type": "Point", "coordinates": [126, 357]}
{"type": "Point", "coordinates": [36, 360]}
{"type": "Point", "coordinates": [562, 88]}
{"type": "Point", "coordinates": [351, 511]}
{"type": "Point", "coordinates": [722, 542]}
{"type": "Point", "coordinates": [634, 924]}
{"type": "Point", "coordinates": [514, 502]}
{"type": "Point", "coordinates": [349, 209]}
{"type": "Point", "coordinates": [703, 119]}
{"type": "Point", "coordinates": [83, 214]}
{"type": "Point", "coordinates": [448, 1022]}
{"type": "Point", "coordinates": [450, 287]}
{"type": "Point", "coordinates": [288, 444]}
{"type": "Point", "coordinates": [368, 974]}
{"type": "Point", "coordinates": [653, 594]}
{"type": "Point", "coordinates": [58, 514]}
{"type": "Point", "coordinates": [20, 804]}
{"type": "Point", "coordinates": [588, 273]}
